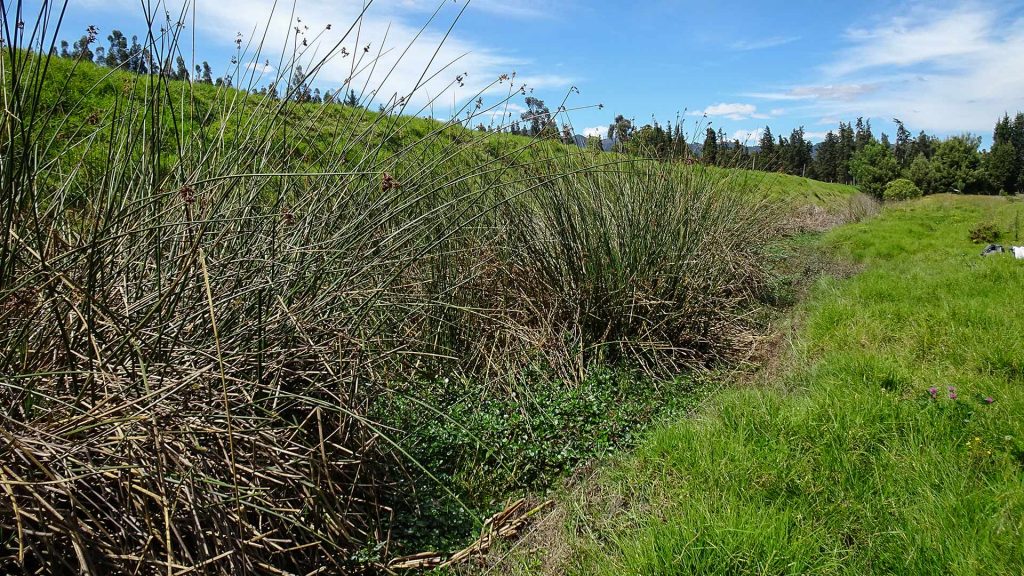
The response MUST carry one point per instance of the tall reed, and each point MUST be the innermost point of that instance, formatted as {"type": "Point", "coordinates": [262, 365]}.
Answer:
{"type": "Point", "coordinates": [204, 289]}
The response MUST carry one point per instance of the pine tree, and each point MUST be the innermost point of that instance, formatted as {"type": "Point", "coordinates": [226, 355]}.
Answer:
{"type": "Point", "coordinates": [863, 135]}
{"type": "Point", "coordinates": [1001, 164]}
{"type": "Point", "coordinates": [767, 151]}
{"type": "Point", "coordinates": [1017, 138]}
{"type": "Point", "coordinates": [902, 149]}
{"type": "Point", "coordinates": [799, 153]}
{"type": "Point", "coordinates": [783, 152]}
{"type": "Point", "coordinates": [567, 136]}
{"type": "Point", "coordinates": [847, 147]}
{"type": "Point", "coordinates": [826, 163]}
{"type": "Point", "coordinates": [1000, 167]}
{"type": "Point", "coordinates": [709, 153]}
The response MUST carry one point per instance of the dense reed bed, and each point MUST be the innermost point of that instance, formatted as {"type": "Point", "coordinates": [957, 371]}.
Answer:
{"type": "Point", "coordinates": [204, 293]}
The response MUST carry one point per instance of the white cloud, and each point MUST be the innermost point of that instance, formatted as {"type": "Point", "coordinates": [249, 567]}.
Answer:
{"type": "Point", "coordinates": [745, 45]}
{"type": "Point", "coordinates": [948, 71]}
{"type": "Point", "coordinates": [527, 9]}
{"type": "Point", "coordinates": [260, 67]}
{"type": "Point", "coordinates": [732, 111]}
{"type": "Point", "coordinates": [515, 9]}
{"type": "Point", "coordinates": [545, 81]}
{"type": "Point", "coordinates": [945, 39]}
{"type": "Point", "coordinates": [748, 137]}
{"type": "Point", "coordinates": [940, 70]}
{"type": "Point", "coordinates": [599, 131]}
{"type": "Point", "coordinates": [824, 92]}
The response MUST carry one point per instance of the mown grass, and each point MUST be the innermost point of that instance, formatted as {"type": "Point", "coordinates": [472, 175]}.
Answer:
{"type": "Point", "coordinates": [846, 463]}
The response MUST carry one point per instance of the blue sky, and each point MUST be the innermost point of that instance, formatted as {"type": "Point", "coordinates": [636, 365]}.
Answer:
{"type": "Point", "coordinates": [943, 67]}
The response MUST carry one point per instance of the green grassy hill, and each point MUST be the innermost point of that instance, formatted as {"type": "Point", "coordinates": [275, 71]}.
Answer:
{"type": "Point", "coordinates": [83, 109]}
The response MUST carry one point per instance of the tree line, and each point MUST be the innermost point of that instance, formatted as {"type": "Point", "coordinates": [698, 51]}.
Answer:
{"type": "Point", "coordinates": [137, 58]}
{"type": "Point", "coordinates": [852, 154]}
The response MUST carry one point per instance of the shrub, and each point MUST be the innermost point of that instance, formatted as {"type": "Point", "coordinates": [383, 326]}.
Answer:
{"type": "Point", "coordinates": [872, 167]}
{"type": "Point", "coordinates": [985, 233]}
{"type": "Point", "coordinates": [901, 189]}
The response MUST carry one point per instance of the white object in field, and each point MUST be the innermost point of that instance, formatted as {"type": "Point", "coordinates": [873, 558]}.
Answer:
{"type": "Point", "coordinates": [1018, 252]}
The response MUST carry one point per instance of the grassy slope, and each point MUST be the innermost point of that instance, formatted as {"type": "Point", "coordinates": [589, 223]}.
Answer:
{"type": "Point", "coordinates": [847, 466]}
{"type": "Point", "coordinates": [800, 191]}
{"type": "Point", "coordinates": [316, 131]}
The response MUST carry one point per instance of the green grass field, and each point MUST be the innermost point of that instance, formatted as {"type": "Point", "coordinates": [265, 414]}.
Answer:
{"type": "Point", "coordinates": [845, 462]}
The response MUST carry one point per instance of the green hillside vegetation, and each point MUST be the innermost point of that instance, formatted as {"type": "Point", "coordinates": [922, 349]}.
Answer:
{"type": "Point", "coordinates": [248, 334]}
{"type": "Point", "coordinates": [888, 442]}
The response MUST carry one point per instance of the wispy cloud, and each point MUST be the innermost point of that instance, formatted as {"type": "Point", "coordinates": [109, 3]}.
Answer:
{"type": "Point", "coordinates": [524, 9]}
{"type": "Point", "coordinates": [824, 92]}
{"type": "Point", "coordinates": [763, 44]}
{"type": "Point", "coordinates": [516, 9]}
{"type": "Point", "coordinates": [732, 111]}
{"type": "Point", "coordinates": [260, 67]}
{"type": "Point", "coordinates": [937, 69]}
{"type": "Point", "coordinates": [936, 38]}
{"type": "Point", "coordinates": [599, 131]}
{"type": "Point", "coordinates": [748, 137]}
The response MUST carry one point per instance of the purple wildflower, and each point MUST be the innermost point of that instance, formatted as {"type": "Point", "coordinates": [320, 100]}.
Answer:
{"type": "Point", "coordinates": [952, 396]}
{"type": "Point", "coordinates": [989, 399]}
{"type": "Point", "coordinates": [933, 392]}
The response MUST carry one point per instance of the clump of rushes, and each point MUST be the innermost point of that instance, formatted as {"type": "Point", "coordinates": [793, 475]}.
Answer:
{"type": "Point", "coordinates": [203, 290]}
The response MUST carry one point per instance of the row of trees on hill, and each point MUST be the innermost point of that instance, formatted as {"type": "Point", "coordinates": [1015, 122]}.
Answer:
{"type": "Point", "coordinates": [852, 154]}
{"type": "Point", "coordinates": [139, 59]}
{"type": "Point", "coordinates": [133, 57]}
